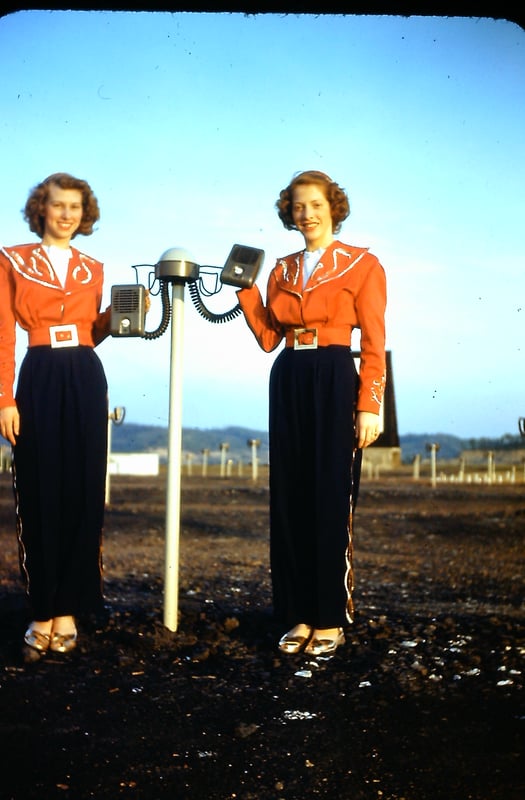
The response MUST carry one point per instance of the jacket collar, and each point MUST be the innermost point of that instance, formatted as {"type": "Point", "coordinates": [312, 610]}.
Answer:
{"type": "Point", "coordinates": [32, 261]}
{"type": "Point", "coordinates": [336, 260]}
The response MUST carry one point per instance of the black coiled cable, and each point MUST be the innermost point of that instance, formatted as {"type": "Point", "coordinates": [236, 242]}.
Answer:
{"type": "Point", "coordinates": [166, 314]}
{"type": "Point", "coordinates": [205, 312]}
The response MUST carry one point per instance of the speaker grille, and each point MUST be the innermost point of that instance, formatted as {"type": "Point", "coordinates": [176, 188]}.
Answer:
{"type": "Point", "coordinates": [246, 255]}
{"type": "Point", "coordinates": [126, 301]}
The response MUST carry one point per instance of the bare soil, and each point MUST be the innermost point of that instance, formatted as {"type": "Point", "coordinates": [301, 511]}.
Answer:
{"type": "Point", "coordinates": [423, 702]}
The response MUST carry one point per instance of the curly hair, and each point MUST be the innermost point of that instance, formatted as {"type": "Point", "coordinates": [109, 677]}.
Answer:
{"type": "Point", "coordinates": [34, 211]}
{"type": "Point", "coordinates": [336, 196]}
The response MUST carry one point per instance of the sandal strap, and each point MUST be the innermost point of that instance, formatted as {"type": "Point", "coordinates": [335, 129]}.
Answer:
{"type": "Point", "coordinates": [36, 639]}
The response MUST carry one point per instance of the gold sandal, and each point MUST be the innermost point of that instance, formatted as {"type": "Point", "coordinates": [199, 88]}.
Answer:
{"type": "Point", "coordinates": [63, 642]}
{"type": "Point", "coordinates": [292, 643]}
{"type": "Point", "coordinates": [325, 645]}
{"type": "Point", "coordinates": [37, 640]}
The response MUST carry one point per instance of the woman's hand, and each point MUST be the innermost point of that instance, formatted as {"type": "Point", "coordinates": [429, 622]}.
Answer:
{"type": "Point", "coordinates": [366, 428]}
{"type": "Point", "coordinates": [10, 423]}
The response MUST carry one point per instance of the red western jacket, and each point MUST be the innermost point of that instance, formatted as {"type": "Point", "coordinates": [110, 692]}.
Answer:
{"type": "Point", "coordinates": [32, 296]}
{"type": "Point", "coordinates": [346, 290]}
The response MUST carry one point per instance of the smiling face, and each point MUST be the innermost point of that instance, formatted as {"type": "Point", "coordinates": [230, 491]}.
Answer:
{"type": "Point", "coordinates": [62, 215]}
{"type": "Point", "coordinates": [312, 215]}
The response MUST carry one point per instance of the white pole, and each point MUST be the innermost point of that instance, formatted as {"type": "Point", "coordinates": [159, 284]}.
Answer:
{"type": "Point", "coordinates": [171, 575]}
{"type": "Point", "coordinates": [433, 464]}
{"type": "Point", "coordinates": [254, 443]}
{"type": "Point", "coordinates": [490, 466]}
{"type": "Point", "coordinates": [224, 447]}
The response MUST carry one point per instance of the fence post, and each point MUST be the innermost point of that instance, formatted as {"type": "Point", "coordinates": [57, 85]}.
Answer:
{"type": "Point", "coordinates": [254, 444]}
{"type": "Point", "coordinates": [205, 454]}
{"type": "Point", "coordinates": [224, 447]}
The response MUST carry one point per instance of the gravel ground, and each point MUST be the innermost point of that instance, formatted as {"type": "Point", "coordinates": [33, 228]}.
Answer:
{"type": "Point", "coordinates": [423, 702]}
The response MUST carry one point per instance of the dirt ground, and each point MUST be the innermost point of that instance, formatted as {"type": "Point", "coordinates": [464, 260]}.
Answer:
{"type": "Point", "coordinates": [423, 702]}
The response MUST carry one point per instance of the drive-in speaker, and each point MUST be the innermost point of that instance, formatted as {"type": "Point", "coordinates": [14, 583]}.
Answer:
{"type": "Point", "coordinates": [242, 266]}
{"type": "Point", "coordinates": [128, 310]}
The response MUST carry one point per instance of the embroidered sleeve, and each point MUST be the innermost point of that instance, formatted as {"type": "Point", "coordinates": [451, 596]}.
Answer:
{"type": "Point", "coordinates": [370, 306]}
{"type": "Point", "coordinates": [7, 335]}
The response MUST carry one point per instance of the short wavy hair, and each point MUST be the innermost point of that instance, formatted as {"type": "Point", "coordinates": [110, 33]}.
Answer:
{"type": "Point", "coordinates": [34, 211]}
{"type": "Point", "coordinates": [336, 196]}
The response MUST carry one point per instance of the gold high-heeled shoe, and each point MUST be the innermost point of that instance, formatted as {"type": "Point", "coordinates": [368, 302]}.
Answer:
{"type": "Point", "coordinates": [325, 645]}
{"type": "Point", "coordinates": [291, 643]}
{"type": "Point", "coordinates": [63, 642]}
{"type": "Point", "coordinates": [37, 640]}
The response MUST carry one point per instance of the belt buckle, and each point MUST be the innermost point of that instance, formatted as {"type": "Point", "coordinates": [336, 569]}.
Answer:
{"type": "Point", "coordinates": [63, 336]}
{"type": "Point", "coordinates": [297, 345]}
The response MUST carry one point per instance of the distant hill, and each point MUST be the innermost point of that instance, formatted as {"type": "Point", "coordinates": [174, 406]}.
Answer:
{"type": "Point", "coordinates": [134, 438]}
{"type": "Point", "coordinates": [413, 444]}
{"type": "Point", "coordinates": [451, 447]}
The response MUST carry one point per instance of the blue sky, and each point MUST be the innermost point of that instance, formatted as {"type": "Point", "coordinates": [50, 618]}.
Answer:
{"type": "Point", "coordinates": [187, 125]}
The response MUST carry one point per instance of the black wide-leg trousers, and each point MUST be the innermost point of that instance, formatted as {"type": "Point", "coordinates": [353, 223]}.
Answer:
{"type": "Point", "coordinates": [314, 481]}
{"type": "Point", "coordinates": [59, 474]}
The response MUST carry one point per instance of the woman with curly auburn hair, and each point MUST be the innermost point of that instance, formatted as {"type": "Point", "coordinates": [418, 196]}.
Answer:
{"type": "Point", "coordinates": [35, 209]}
{"type": "Point", "coordinates": [57, 420]}
{"type": "Point", "coordinates": [322, 413]}
{"type": "Point", "coordinates": [337, 199]}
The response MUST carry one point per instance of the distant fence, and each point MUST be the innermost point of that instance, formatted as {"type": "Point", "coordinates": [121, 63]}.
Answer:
{"type": "Point", "coordinates": [488, 467]}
